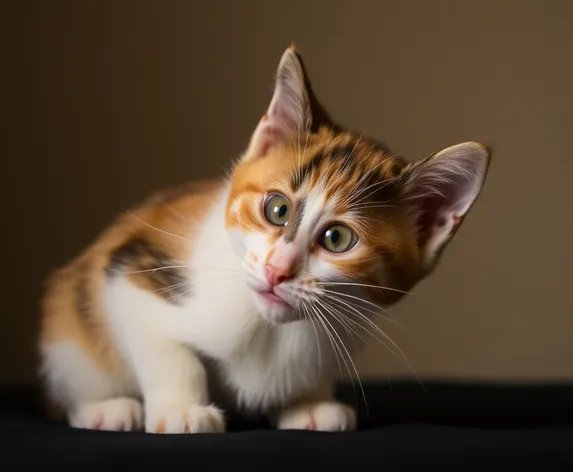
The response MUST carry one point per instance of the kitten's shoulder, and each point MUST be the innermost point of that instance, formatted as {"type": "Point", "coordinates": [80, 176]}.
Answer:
{"type": "Point", "coordinates": [157, 232]}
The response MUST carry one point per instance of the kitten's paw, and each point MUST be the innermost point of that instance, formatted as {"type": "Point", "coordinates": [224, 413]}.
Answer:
{"type": "Point", "coordinates": [323, 416]}
{"type": "Point", "coordinates": [116, 414]}
{"type": "Point", "coordinates": [189, 419]}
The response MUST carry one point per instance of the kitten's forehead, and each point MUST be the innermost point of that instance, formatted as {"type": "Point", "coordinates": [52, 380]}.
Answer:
{"type": "Point", "coordinates": [334, 178]}
{"type": "Point", "coordinates": [343, 166]}
{"type": "Point", "coordinates": [311, 210]}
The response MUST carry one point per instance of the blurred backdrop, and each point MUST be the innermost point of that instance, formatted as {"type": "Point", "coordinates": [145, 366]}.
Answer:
{"type": "Point", "coordinates": [105, 101]}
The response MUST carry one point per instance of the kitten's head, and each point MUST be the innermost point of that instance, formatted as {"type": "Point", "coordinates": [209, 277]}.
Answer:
{"type": "Point", "coordinates": [316, 210]}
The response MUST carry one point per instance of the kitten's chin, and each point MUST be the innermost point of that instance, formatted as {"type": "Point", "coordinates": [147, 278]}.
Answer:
{"type": "Point", "coordinates": [274, 309]}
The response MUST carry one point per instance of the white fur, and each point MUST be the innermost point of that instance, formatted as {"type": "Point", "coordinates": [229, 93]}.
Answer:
{"type": "Point", "coordinates": [322, 416]}
{"type": "Point", "coordinates": [116, 414]}
{"type": "Point", "coordinates": [257, 364]}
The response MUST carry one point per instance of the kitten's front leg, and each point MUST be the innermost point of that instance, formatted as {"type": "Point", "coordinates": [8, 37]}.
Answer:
{"type": "Point", "coordinates": [174, 385]}
{"type": "Point", "coordinates": [318, 411]}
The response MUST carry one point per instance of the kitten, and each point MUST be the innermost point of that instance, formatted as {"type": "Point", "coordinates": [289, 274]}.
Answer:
{"type": "Point", "coordinates": [251, 291]}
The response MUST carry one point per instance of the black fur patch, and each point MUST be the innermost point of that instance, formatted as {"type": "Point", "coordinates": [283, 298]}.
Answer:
{"type": "Point", "coordinates": [375, 189]}
{"type": "Point", "coordinates": [344, 154]}
{"type": "Point", "coordinates": [292, 229]}
{"type": "Point", "coordinates": [139, 258]}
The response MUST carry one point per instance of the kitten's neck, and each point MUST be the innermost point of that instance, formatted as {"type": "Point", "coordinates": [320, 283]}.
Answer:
{"type": "Point", "coordinates": [221, 301]}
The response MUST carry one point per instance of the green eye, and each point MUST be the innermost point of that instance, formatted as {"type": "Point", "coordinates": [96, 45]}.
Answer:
{"type": "Point", "coordinates": [338, 238]}
{"type": "Point", "coordinates": [277, 210]}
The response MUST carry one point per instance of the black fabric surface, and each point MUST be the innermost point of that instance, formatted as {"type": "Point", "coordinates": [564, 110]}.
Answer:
{"type": "Point", "coordinates": [406, 427]}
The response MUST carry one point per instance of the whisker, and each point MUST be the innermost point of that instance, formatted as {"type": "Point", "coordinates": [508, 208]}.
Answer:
{"type": "Point", "coordinates": [155, 269]}
{"type": "Point", "coordinates": [316, 333]}
{"type": "Point", "coordinates": [340, 318]}
{"type": "Point", "coordinates": [176, 297]}
{"type": "Point", "coordinates": [335, 344]}
{"type": "Point", "coordinates": [357, 284]}
{"type": "Point", "coordinates": [349, 359]}
{"type": "Point", "coordinates": [156, 228]}
{"type": "Point", "coordinates": [402, 356]}
{"type": "Point", "coordinates": [172, 210]}
{"type": "Point", "coordinates": [353, 312]}
{"type": "Point", "coordinates": [352, 152]}
{"type": "Point", "coordinates": [169, 287]}
{"type": "Point", "coordinates": [374, 325]}
{"type": "Point", "coordinates": [388, 317]}
{"type": "Point", "coordinates": [370, 205]}
{"type": "Point", "coordinates": [330, 338]}
{"type": "Point", "coordinates": [380, 184]}
{"type": "Point", "coordinates": [343, 320]}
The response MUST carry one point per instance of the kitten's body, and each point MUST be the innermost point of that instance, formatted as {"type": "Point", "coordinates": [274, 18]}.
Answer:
{"type": "Point", "coordinates": [171, 307]}
{"type": "Point", "coordinates": [264, 365]}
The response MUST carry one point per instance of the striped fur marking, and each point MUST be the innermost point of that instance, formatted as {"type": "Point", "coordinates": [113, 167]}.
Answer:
{"type": "Point", "coordinates": [148, 267]}
{"type": "Point", "coordinates": [292, 229]}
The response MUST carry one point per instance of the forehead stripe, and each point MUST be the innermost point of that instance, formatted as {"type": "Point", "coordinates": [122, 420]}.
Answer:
{"type": "Point", "coordinates": [345, 151]}
{"type": "Point", "coordinates": [299, 213]}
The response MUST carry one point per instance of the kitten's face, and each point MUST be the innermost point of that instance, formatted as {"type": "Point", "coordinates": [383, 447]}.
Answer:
{"type": "Point", "coordinates": [323, 218]}
{"type": "Point", "coordinates": [308, 222]}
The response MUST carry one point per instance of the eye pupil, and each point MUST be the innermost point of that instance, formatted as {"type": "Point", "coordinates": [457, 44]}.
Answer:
{"type": "Point", "coordinates": [282, 211]}
{"type": "Point", "coordinates": [335, 236]}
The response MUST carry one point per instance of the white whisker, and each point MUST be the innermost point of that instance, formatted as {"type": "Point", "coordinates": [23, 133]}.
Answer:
{"type": "Point", "coordinates": [155, 269]}
{"type": "Point", "coordinates": [344, 321]}
{"type": "Point", "coordinates": [340, 318]}
{"type": "Point", "coordinates": [316, 333]}
{"type": "Point", "coordinates": [353, 312]}
{"type": "Point", "coordinates": [349, 358]}
{"type": "Point", "coordinates": [387, 318]}
{"type": "Point", "coordinates": [330, 338]}
{"type": "Point", "coordinates": [364, 285]}
{"type": "Point", "coordinates": [402, 356]}
{"type": "Point", "coordinates": [176, 297]}
{"type": "Point", "coordinates": [170, 288]}
{"type": "Point", "coordinates": [157, 229]}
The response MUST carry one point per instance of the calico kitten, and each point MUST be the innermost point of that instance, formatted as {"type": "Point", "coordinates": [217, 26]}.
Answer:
{"type": "Point", "coordinates": [251, 291]}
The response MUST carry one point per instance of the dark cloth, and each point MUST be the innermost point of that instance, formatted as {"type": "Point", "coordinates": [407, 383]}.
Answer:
{"type": "Point", "coordinates": [406, 427]}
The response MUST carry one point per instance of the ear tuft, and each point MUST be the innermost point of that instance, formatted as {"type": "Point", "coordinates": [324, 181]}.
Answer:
{"type": "Point", "coordinates": [440, 190]}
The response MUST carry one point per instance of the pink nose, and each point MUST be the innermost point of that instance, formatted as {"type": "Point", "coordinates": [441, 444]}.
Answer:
{"type": "Point", "coordinates": [278, 275]}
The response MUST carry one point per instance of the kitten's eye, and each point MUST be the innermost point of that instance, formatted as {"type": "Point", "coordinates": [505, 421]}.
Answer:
{"type": "Point", "coordinates": [277, 210]}
{"type": "Point", "coordinates": [338, 238]}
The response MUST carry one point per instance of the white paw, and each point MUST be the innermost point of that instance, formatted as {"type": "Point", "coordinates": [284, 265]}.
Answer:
{"type": "Point", "coordinates": [116, 414]}
{"type": "Point", "coordinates": [324, 416]}
{"type": "Point", "coordinates": [189, 419]}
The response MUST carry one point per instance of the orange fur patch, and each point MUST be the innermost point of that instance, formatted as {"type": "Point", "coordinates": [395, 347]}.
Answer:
{"type": "Point", "coordinates": [71, 309]}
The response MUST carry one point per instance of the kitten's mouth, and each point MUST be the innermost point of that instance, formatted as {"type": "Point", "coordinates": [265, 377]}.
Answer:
{"type": "Point", "coordinates": [272, 298]}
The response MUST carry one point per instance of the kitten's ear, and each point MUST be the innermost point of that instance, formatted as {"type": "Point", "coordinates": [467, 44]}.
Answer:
{"type": "Point", "coordinates": [293, 109]}
{"type": "Point", "coordinates": [440, 190]}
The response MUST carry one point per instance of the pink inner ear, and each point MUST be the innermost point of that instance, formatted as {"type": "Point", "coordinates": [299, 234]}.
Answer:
{"type": "Point", "coordinates": [271, 136]}
{"type": "Point", "coordinates": [276, 128]}
{"type": "Point", "coordinates": [432, 215]}
{"type": "Point", "coordinates": [441, 189]}
{"type": "Point", "coordinates": [445, 201]}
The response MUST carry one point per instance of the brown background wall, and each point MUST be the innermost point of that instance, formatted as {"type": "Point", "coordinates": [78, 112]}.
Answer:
{"type": "Point", "coordinates": [105, 101]}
